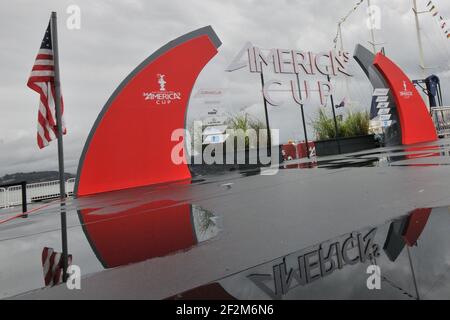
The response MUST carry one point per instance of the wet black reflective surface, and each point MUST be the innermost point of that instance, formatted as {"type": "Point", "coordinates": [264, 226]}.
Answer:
{"type": "Point", "coordinates": [413, 264]}
{"type": "Point", "coordinates": [308, 230]}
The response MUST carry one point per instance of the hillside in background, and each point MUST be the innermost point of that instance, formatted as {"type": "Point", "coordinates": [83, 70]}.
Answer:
{"type": "Point", "coordinates": [32, 177]}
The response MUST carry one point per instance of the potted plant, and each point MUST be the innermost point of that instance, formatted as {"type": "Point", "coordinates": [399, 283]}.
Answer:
{"type": "Point", "coordinates": [353, 133]}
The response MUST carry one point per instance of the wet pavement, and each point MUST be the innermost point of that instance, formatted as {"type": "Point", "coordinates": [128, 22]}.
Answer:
{"type": "Point", "coordinates": [308, 231]}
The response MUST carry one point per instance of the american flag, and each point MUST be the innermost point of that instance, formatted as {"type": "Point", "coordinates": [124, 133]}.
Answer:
{"type": "Point", "coordinates": [42, 80]}
{"type": "Point", "coordinates": [52, 264]}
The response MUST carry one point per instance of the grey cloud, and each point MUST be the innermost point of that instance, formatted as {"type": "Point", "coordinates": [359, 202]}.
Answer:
{"type": "Point", "coordinates": [115, 36]}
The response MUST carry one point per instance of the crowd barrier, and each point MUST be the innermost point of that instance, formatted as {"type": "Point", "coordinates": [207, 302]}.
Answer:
{"type": "Point", "coordinates": [441, 118]}
{"type": "Point", "coordinates": [12, 196]}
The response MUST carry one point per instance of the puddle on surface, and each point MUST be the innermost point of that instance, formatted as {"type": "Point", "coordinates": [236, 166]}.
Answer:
{"type": "Point", "coordinates": [430, 154]}
{"type": "Point", "coordinates": [410, 256]}
{"type": "Point", "coordinates": [109, 236]}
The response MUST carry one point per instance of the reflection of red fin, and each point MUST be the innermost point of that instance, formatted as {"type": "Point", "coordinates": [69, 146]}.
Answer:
{"type": "Point", "coordinates": [422, 154]}
{"type": "Point", "coordinates": [130, 144]}
{"type": "Point", "coordinates": [139, 233]}
{"type": "Point", "coordinates": [423, 148]}
{"type": "Point", "coordinates": [415, 121]}
{"type": "Point", "coordinates": [415, 225]}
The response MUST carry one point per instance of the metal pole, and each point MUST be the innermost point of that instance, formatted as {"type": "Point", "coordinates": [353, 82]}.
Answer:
{"type": "Point", "coordinates": [62, 187]}
{"type": "Point", "coordinates": [347, 88]}
{"type": "Point", "coordinates": [24, 198]}
{"type": "Point", "coordinates": [303, 116]}
{"type": "Point", "coordinates": [341, 42]}
{"type": "Point", "coordinates": [419, 37]}
{"type": "Point", "coordinates": [439, 94]}
{"type": "Point", "coordinates": [269, 138]}
{"type": "Point", "coordinates": [372, 35]}
{"type": "Point", "coordinates": [335, 121]}
{"type": "Point", "coordinates": [413, 274]}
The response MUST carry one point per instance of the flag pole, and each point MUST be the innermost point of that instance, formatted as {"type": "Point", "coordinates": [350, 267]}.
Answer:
{"type": "Point", "coordinates": [62, 186]}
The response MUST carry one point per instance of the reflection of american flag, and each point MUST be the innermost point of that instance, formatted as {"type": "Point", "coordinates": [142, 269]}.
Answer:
{"type": "Point", "coordinates": [42, 80]}
{"type": "Point", "coordinates": [52, 263]}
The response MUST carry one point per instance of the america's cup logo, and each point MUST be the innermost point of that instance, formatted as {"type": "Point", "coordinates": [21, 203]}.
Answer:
{"type": "Point", "coordinates": [405, 93]}
{"type": "Point", "coordinates": [162, 96]}
{"type": "Point", "coordinates": [161, 82]}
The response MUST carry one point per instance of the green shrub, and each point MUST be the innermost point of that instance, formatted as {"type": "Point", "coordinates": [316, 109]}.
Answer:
{"type": "Point", "coordinates": [354, 124]}
{"type": "Point", "coordinates": [324, 127]}
{"type": "Point", "coordinates": [244, 122]}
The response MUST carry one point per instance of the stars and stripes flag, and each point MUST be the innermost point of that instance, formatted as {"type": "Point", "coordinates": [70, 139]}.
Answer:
{"type": "Point", "coordinates": [42, 80]}
{"type": "Point", "coordinates": [52, 264]}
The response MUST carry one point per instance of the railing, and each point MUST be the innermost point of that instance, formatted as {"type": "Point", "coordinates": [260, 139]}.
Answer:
{"type": "Point", "coordinates": [42, 190]}
{"type": "Point", "coordinates": [441, 118]}
{"type": "Point", "coordinates": [70, 184]}
{"type": "Point", "coordinates": [3, 198]}
{"type": "Point", "coordinates": [12, 196]}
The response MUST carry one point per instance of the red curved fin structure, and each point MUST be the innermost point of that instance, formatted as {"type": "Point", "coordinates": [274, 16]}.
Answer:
{"type": "Point", "coordinates": [130, 143]}
{"type": "Point", "coordinates": [415, 121]}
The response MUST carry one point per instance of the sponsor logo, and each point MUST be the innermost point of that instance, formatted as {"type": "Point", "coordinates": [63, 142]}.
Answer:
{"type": "Point", "coordinates": [386, 123]}
{"type": "Point", "coordinates": [382, 105]}
{"type": "Point", "coordinates": [382, 99]}
{"type": "Point", "coordinates": [163, 96]}
{"type": "Point", "coordinates": [384, 111]}
{"type": "Point", "coordinates": [405, 93]}
{"type": "Point", "coordinates": [381, 92]}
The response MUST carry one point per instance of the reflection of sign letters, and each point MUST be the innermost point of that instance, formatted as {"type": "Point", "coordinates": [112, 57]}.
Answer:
{"type": "Point", "coordinates": [316, 263]}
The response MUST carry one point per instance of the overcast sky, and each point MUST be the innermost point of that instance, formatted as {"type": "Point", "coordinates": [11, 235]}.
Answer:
{"type": "Point", "coordinates": [115, 36]}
